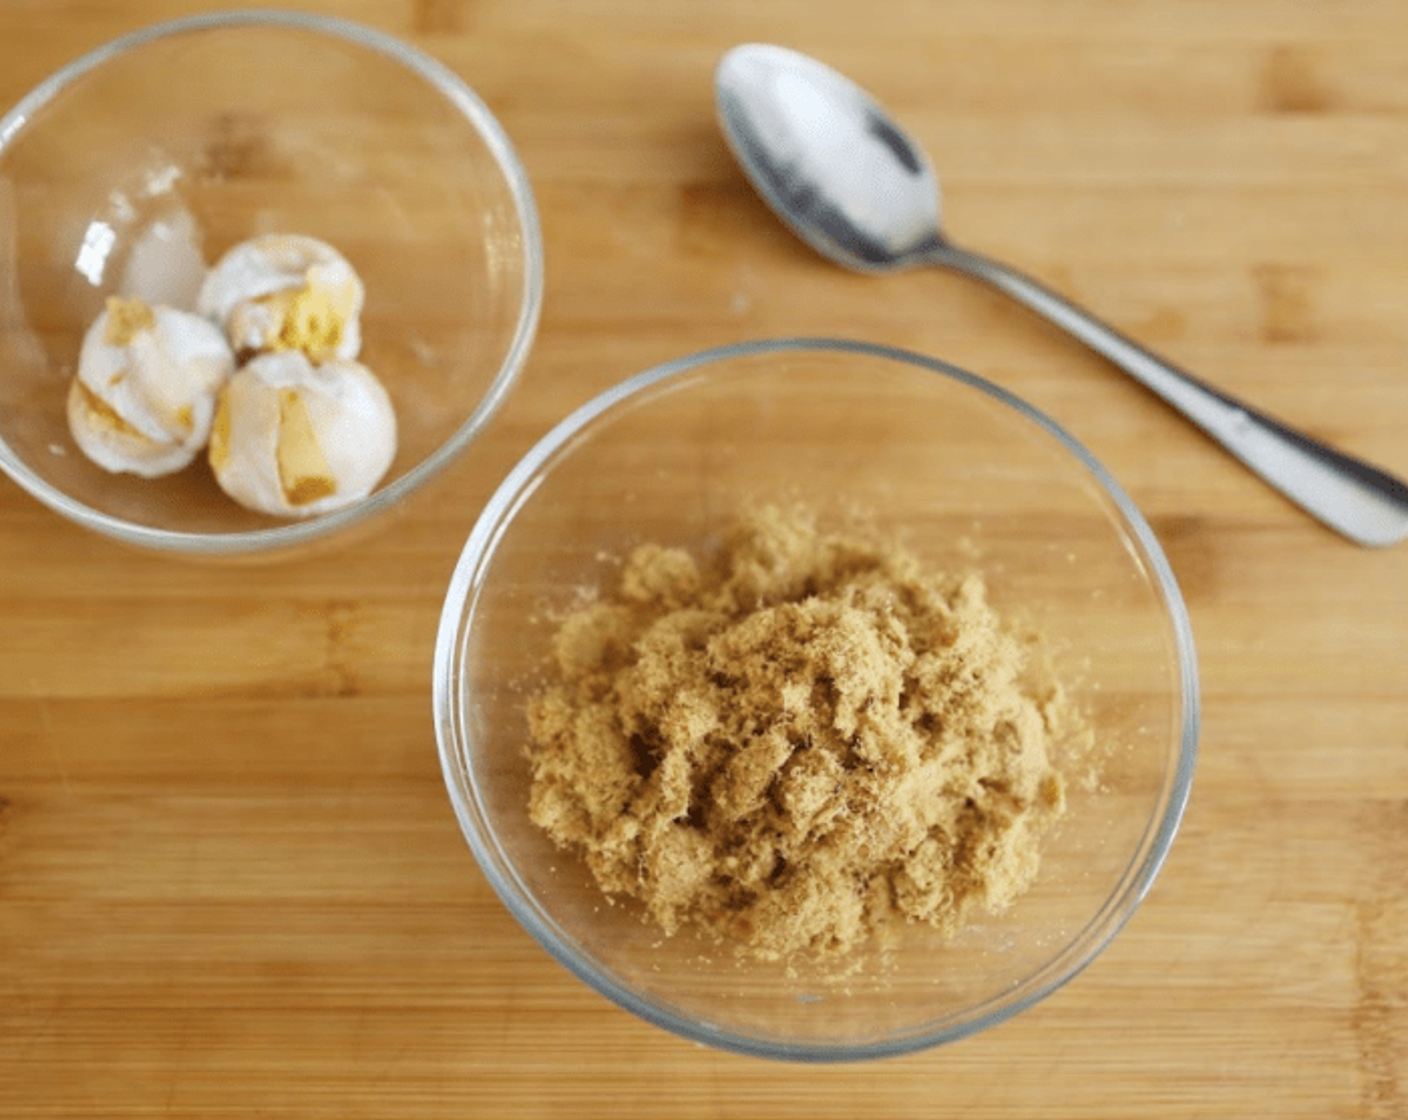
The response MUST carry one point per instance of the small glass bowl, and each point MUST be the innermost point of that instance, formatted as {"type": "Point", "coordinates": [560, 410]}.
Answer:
{"type": "Point", "coordinates": [971, 478]}
{"type": "Point", "coordinates": [172, 143]}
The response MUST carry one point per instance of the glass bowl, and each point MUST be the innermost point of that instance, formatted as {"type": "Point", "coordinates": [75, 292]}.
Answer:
{"type": "Point", "coordinates": [135, 166]}
{"type": "Point", "coordinates": [972, 479]}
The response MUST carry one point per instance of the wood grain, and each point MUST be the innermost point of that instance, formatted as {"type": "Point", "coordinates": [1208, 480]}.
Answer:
{"type": "Point", "coordinates": [230, 880]}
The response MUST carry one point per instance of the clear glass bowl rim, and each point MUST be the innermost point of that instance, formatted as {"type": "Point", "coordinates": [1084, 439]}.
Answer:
{"type": "Point", "coordinates": [448, 705]}
{"type": "Point", "coordinates": [468, 103]}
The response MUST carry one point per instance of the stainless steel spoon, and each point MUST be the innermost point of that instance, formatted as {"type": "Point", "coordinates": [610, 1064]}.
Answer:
{"type": "Point", "coordinates": [838, 170]}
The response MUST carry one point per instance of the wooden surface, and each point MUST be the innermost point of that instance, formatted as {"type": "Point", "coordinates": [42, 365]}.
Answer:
{"type": "Point", "coordinates": [230, 880]}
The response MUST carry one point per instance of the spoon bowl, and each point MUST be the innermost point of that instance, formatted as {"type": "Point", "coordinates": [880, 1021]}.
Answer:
{"type": "Point", "coordinates": [828, 159]}
{"type": "Point", "coordinates": [843, 175]}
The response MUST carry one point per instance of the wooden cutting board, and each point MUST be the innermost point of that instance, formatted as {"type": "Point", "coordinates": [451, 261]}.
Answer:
{"type": "Point", "coordinates": [230, 880]}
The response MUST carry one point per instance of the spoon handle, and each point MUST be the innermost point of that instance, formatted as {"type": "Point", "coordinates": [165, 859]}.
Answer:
{"type": "Point", "coordinates": [1357, 499]}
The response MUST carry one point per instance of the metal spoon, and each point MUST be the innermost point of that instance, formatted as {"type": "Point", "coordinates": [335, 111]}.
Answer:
{"type": "Point", "coordinates": [840, 172]}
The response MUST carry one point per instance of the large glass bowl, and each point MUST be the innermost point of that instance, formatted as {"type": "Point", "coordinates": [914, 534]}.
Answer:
{"type": "Point", "coordinates": [181, 139]}
{"type": "Point", "coordinates": [971, 478]}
